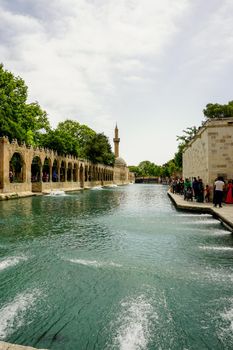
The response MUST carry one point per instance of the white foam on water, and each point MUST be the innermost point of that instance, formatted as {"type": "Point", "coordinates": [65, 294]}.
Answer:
{"type": "Point", "coordinates": [216, 248]}
{"type": "Point", "coordinates": [211, 274]}
{"type": "Point", "coordinates": [12, 314]}
{"type": "Point", "coordinates": [96, 188]}
{"type": "Point", "coordinates": [219, 232]}
{"type": "Point", "coordinates": [228, 316]}
{"type": "Point", "coordinates": [93, 263]}
{"type": "Point", "coordinates": [212, 232]}
{"type": "Point", "coordinates": [11, 261]}
{"type": "Point", "coordinates": [195, 215]}
{"type": "Point", "coordinates": [57, 193]}
{"type": "Point", "coordinates": [202, 222]}
{"type": "Point", "coordinates": [134, 323]}
{"type": "Point", "coordinates": [226, 331]}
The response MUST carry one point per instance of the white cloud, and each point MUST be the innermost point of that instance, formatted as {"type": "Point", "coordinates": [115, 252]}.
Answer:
{"type": "Point", "coordinates": [98, 60]}
{"type": "Point", "coordinates": [76, 67]}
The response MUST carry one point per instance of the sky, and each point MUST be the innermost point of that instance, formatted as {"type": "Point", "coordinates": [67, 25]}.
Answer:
{"type": "Point", "coordinates": [150, 66]}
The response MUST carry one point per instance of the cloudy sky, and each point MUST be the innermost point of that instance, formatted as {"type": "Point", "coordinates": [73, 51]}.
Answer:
{"type": "Point", "coordinates": [151, 65]}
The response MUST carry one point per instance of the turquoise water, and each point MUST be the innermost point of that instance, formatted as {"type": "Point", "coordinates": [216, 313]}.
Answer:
{"type": "Point", "coordinates": [116, 268]}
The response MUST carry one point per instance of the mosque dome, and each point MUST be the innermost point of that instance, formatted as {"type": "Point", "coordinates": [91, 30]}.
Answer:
{"type": "Point", "coordinates": [120, 162]}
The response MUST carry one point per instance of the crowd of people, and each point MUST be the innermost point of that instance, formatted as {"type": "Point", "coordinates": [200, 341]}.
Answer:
{"type": "Point", "coordinates": [194, 189]}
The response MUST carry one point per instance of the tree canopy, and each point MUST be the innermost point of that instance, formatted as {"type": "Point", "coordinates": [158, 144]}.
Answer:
{"type": "Point", "coordinates": [19, 119]}
{"type": "Point", "coordinates": [216, 110]}
{"type": "Point", "coordinates": [98, 150]}
{"type": "Point", "coordinates": [150, 169]}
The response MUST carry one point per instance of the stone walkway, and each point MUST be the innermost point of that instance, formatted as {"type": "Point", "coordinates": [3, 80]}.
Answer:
{"type": "Point", "coordinates": [14, 195]}
{"type": "Point", "coordinates": [8, 346]}
{"type": "Point", "coordinates": [224, 214]}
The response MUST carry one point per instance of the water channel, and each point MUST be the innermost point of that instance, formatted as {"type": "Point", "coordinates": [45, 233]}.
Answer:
{"type": "Point", "coordinates": [116, 268]}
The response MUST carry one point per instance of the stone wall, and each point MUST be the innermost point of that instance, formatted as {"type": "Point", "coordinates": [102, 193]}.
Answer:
{"type": "Point", "coordinates": [210, 153]}
{"type": "Point", "coordinates": [195, 158]}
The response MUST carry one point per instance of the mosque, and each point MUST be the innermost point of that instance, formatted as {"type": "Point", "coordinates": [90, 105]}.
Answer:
{"type": "Point", "coordinates": [24, 169]}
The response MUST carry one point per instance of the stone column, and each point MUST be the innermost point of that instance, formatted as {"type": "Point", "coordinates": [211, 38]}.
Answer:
{"type": "Point", "coordinates": [65, 174]}
{"type": "Point", "coordinates": [50, 172]}
{"type": "Point", "coordinates": [58, 172]}
{"type": "Point", "coordinates": [77, 174]}
{"type": "Point", "coordinates": [72, 174]}
{"type": "Point", "coordinates": [40, 177]}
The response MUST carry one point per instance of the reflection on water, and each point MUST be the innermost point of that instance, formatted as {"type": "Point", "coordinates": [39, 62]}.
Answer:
{"type": "Point", "coordinates": [118, 268]}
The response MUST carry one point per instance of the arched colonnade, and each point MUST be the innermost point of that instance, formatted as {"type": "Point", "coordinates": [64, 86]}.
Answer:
{"type": "Point", "coordinates": [42, 169]}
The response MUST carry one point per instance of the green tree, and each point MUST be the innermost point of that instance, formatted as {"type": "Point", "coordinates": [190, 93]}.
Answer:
{"type": "Point", "coordinates": [136, 170]}
{"type": "Point", "coordinates": [99, 150]}
{"type": "Point", "coordinates": [188, 134]}
{"type": "Point", "coordinates": [216, 110]}
{"type": "Point", "coordinates": [148, 168]}
{"type": "Point", "coordinates": [145, 166]}
{"type": "Point", "coordinates": [80, 134]}
{"type": "Point", "coordinates": [17, 118]}
{"type": "Point", "coordinates": [169, 168]}
{"type": "Point", "coordinates": [178, 157]}
{"type": "Point", "coordinates": [59, 141]}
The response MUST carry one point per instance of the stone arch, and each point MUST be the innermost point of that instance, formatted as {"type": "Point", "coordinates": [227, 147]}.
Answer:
{"type": "Point", "coordinates": [86, 173]}
{"type": "Point", "coordinates": [81, 176]}
{"type": "Point", "coordinates": [92, 173]}
{"type": "Point", "coordinates": [89, 173]}
{"type": "Point", "coordinates": [55, 174]}
{"type": "Point", "coordinates": [46, 170]}
{"type": "Point", "coordinates": [17, 168]}
{"type": "Point", "coordinates": [63, 171]}
{"type": "Point", "coordinates": [69, 172]}
{"type": "Point", "coordinates": [36, 169]}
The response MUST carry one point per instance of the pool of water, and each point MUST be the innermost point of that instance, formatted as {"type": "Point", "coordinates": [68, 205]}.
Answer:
{"type": "Point", "coordinates": [116, 268]}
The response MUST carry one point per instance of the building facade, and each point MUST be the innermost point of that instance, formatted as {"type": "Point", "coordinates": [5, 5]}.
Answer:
{"type": "Point", "coordinates": [210, 153]}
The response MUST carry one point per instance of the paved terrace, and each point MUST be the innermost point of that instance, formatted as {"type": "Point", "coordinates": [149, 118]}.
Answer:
{"type": "Point", "coordinates": [224, 214]}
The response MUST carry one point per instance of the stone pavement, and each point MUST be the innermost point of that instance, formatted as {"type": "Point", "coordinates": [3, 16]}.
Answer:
{"type": "Point", "coordinates": [224, 214]}
{"type": "Point", "coordinates": [14, 195]}
{"type": "Point", "coordinates": [8, 346]}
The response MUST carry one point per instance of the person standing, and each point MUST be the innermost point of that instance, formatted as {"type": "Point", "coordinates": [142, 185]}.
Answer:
{"type": "Point", "coordinates": [218, 191]}
{"type": "Point", "coordinates": [229, 197]}
{"type": "Point", "coordinates": [207, 193]}
{"type": "Point", "coordinates": [187, 184]}
{"type": "Point", "coordinates": [195, 187]}
{"type": "Point", "coordinates": [200, 193]}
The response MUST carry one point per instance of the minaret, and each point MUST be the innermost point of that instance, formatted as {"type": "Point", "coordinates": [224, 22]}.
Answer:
{"type": "Point", "coordinates": [116, 141]}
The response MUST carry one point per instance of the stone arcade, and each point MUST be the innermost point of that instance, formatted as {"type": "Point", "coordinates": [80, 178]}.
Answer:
{"type": "Point", "coordinates": [27, 169]}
